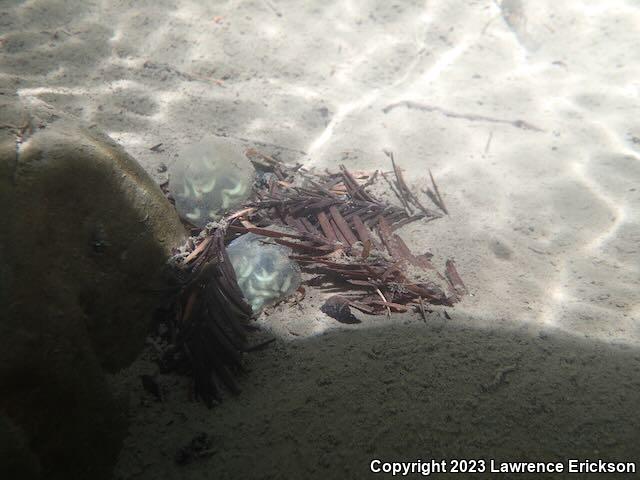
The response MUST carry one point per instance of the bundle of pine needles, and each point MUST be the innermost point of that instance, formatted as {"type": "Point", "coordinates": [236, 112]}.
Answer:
{"type": "Point", "coordinates": [338, 231]}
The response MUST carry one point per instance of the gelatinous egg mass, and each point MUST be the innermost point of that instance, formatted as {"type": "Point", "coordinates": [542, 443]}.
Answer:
{"type": "Point", "coordinates": [264, 271]}
{"type": "Point", "coordinates": [208, 178]}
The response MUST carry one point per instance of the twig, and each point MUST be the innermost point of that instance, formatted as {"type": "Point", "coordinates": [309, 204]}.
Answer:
{"type": "Point", "coordinates": [342, 225]}
{"type": "Point", "coordinates": [521, 124]}
{"type": "Point", "coordinates": [273, 7]}
{"type": "Point", "coordinates": [486, 147]}
{"type": "Point", "coordinates": [406, 206]}
{"type": "Point", "coordinates": [405, 191]}
{"type": "Point", "coordinates": [440, 202]}
{"type": "Point", "coordinates": [198, 250]}
{"type": "Point", "coordinates": [453, 277]}
{"type": "Point", "coordinates": [422, 312]}
{"type": "Point", "coordinates": [326, 227]}
{"type": "Point", "coordinates": [385, 301]}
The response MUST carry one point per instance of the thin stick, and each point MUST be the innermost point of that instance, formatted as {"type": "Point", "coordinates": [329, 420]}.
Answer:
{"type": "Point", "coordinates": [385, 301]}
{"type": "Point", "coordinates": [435, 188]}
{"type": "Point", "coordinates": [351, 182]}
{"type": "Point", "coordinates": [488, 145]}
{"type": "Point", "coordinates": [341, 238]}
{"type": "Point", "coordinates": [366, 250]}
{"type": "Point", "coordinates": [422, 313]}
{"type": "Point", "coordinates": [409, 220]}
{"type": "Point", "coordinates": [240, 213]}
{"type": "Point", "coordinates": [405, 190]}
{"type": "Point", "coordinates": [397, 194]}
{"type": "Point", "coordinates": [198, 250]}
{"type": "Point", "coordinates": [342, 225]}
{"type": "Point", "coordinates": [368, 183]}
{"type": "Point", "coordinates": [326, 227]}
{"type": "Point", "coordinates": [467, 116]}
{"type": "Point", "coordinates": [361, 229]}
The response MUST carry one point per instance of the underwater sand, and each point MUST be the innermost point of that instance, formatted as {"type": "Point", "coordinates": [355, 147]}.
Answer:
{"type": "Point", "coordinates": [528, 115]}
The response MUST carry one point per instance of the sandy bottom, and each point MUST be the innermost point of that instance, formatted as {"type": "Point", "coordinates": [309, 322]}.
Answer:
{"type": "Point", "coordinates": [325, 407]}
{"type": "Point", "coordinates": [528, 114]}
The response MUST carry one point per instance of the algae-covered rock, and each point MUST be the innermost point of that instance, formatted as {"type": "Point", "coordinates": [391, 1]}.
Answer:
{"type": "Point", "coordinates": [84, 240]}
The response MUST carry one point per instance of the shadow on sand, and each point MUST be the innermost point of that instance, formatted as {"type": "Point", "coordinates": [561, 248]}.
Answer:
{"type": "Point", "coordinates": [327, 406]}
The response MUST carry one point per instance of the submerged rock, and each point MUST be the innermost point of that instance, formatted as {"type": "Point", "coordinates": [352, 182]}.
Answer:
{"type": "Point", "coordinates": [208, 178]}
{"type": "Point", "coordinates": [264, 270]}
{"type": "Point", "coordinates": [84, 239]}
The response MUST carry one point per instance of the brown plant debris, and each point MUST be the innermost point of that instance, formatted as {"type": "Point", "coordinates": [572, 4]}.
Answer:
{"type": "Point", "coordinates": [340, 234]}
{"type": "Point", "coordinates": [205, 322]}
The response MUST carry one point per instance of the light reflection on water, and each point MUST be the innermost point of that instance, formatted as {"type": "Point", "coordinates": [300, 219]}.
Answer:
{"type": "Point", "coordinates": [563, 201]}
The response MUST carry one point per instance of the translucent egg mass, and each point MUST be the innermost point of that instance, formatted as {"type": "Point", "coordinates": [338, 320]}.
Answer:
{"type": "Point", "coordinates": [264, 270]}
{"type": "Point", "coordinates": [208, 178]}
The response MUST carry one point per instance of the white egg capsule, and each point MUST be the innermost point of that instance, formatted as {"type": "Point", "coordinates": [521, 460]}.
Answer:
{"type": "Point", "coordinates": [273, 275]}
{"type": "Point", "coordinates": [209, 177]}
